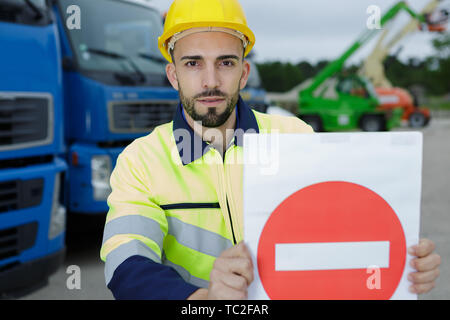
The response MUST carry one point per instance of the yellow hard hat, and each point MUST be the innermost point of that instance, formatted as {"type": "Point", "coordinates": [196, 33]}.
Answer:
{"type": "Point", "coordinates": [208, 15]}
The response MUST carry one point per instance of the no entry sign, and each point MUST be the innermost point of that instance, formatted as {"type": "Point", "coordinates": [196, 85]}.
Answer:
{"type": "Point", "coordinates": [312, 248]}
{"type": "Point", "coordinates": [334, 221]}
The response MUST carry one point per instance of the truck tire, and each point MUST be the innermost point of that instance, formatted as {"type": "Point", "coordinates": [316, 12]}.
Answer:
{"type": "Point", "coordinates": [373, 123]}
{"type": "Point", "coordinates": [314, 121]}
{"type": "Point", "coordinates": [417, 120]}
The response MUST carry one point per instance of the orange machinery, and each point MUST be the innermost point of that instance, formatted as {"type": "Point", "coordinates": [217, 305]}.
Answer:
{"type": "Point", "coordinates": [392, 97]}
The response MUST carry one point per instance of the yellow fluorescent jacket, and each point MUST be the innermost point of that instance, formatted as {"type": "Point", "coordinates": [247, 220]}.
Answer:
{"type": "Point", "coordinates": [177, 201]}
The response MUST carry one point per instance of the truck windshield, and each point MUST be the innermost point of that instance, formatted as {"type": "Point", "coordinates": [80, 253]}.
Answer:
{"type": "Point", "coordinates": [113, 26]}
{"type": "Point", "coordinates": [370, 88]}
{"type": "Point", "coordinates": [31, 12]}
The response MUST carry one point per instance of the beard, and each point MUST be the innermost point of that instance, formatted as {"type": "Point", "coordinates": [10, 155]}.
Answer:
{"type": "Point", "coordinates": [211, 119]}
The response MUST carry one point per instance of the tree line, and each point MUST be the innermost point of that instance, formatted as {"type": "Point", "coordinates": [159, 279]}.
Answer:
{"type": "Point", "coordinates": [431, 73]}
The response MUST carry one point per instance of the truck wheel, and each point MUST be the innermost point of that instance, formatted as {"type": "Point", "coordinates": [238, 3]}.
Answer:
{"type": "Point", "coordinates": [373, 123]}
{"type": "Point", "coordinates": [417, 120]}
{"type": "Point", "coordinates": [314, 121]}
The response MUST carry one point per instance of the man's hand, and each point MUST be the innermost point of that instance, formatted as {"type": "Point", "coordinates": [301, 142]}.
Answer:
{"type": "Point", "coordinates": [231, 275]}
{"type": "Point", "coordinates": [427, 266]}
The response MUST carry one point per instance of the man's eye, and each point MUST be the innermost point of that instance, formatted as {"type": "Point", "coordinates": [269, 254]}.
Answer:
{"type": "Point", "coordinates": [228, 63]}
{"type": "Point", "coordinates": [191, 63]}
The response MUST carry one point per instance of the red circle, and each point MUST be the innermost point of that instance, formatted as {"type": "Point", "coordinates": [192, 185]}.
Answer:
{"type": "Point", "coordinates": [331, 212]}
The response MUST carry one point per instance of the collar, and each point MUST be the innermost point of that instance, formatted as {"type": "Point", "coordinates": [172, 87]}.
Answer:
{"type": "Point", "coordinates": [191, 146]}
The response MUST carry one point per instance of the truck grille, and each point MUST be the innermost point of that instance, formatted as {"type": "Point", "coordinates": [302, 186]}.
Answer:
{"type": "Point", "coordinates": [139, 117]}
{"type": "Point", "coordinates": [20, 194]}
{"type": "Point", "coordinates": [15, 240]}
{"type": "Point", "coordinates": [25, 120]}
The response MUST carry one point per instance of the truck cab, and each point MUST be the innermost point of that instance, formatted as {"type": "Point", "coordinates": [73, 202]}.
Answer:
{"type": "Point", "coordinates": [32, 217]}
{"type": "Point", "coordinates": [115, 90]}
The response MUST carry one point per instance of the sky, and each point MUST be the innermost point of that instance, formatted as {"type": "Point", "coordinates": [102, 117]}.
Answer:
{"type": "Point", "coordinates": [298, 30]}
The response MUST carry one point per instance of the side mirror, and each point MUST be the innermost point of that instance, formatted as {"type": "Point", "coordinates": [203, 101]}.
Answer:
{"type": "Point", "coordinates": [68, 64]}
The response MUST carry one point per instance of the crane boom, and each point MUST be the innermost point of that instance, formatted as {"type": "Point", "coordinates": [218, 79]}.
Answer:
{"type": "Point", "coordinates": [337, 65]}
{"type": "Point", "coordinates": [372, 67]}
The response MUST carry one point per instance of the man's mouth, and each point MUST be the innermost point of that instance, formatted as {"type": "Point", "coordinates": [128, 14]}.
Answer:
{"type": "Point", "coordinates": [211, 101]}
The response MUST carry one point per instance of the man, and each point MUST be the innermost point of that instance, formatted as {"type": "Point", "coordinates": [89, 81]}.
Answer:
{"type": "Point", "coordinates": [174, 229]}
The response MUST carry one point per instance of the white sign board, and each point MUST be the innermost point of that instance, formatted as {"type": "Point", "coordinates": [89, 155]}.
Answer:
{"type": "Point", "coordinates": [331, 215]}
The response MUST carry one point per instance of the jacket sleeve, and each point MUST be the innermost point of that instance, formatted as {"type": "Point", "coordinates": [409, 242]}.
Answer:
{"type": "Point", "coordinates": [140, 278]}
{"type": "Point", "coordinates": [135, 228]}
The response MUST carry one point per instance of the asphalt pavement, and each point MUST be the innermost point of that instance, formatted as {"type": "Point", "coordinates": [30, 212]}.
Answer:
{"type": "Point", "coordinates": [83, 249]}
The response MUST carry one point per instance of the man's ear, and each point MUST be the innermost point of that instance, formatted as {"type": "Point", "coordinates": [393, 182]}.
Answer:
{"type": "Point", "coordinates": [245, 73]}
{"type": "Point", "coordinates": [172, 75]}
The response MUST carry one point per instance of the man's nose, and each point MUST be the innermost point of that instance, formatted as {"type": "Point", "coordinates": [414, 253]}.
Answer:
{"type": "Point", "coordinates": [210, 77]}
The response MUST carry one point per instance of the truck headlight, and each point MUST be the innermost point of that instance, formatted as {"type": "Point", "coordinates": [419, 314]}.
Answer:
{"type": "Point", "coordinates": [101, 172]}
{"type": "Point", "coordinates": [58, 214]}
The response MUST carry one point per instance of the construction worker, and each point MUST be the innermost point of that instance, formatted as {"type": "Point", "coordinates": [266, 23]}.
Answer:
{"type": "Point", "coordinates": [174, 229]}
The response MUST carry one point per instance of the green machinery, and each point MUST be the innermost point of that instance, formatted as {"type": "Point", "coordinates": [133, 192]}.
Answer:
{"type": "Point", "coordinates": [334, 101]}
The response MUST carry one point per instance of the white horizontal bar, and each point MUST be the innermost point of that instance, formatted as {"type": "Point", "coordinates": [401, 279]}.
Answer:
{"type": "Point", "coordinates": [331, 255]}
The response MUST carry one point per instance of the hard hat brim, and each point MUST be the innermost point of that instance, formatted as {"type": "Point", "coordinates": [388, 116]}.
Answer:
{"type": "Point", "coordinates": [163, 40]}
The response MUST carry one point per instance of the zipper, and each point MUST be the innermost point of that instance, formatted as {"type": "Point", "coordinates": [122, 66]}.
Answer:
{"type": "Point", "coordinates": [231, 222]}
{"type": "Point", "coordinates": [226, 195]}
{"type": "Point", "coordinates": [176, 206]}
{"type": "Point", "coordinates": [229, 192]}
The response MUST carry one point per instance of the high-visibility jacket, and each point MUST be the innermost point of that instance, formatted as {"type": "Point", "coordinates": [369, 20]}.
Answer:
{"type": "Point", "coordinates": [177, 201]}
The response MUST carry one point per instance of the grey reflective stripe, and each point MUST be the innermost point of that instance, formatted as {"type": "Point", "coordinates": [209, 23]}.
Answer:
{"type": "Point", "coordinates": [202, 283]}
{"type": "Point", "coordinates": [134, 224]}
{"type": "Point", "coordinates": [123, 252]}
{"type": "Point", "coordinates": [196, 238]}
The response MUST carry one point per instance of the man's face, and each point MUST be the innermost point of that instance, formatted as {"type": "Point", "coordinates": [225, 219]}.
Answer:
{"type": "Point", "coordinates": [208, 71]}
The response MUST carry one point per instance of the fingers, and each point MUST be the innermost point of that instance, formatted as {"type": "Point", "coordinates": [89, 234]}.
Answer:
{"type": "Point", "coordinates": [239, 250]}
{"type": "Point", "coordinates": [427, 263]}
{"type": "Point", "coordinates": [422, 288]}
{"type": "Point", "coordinates": [424, 277]}
{"type": "Point", "coordinates": [424, 248]}
{"type": "Point", "coordinates": [218, 290]}
{"type": "Point", "coordinates": [226, 285]}
{"type": "Point", "coordinates": [239, 266]}
{"type": "Point", "coordinates": [427, 266]}
{"type": "Point", "coordinates": [231, 275]}
{"type": "Point", "coordinates": [236, 260]}
{"type": "Point", "coordinates": [230, 280]}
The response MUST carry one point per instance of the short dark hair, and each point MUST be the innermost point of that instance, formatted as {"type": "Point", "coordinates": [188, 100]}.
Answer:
{"type": "Point", "coordinates": [171, 55]}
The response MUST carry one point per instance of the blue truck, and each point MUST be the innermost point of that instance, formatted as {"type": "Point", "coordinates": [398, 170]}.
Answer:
{"type": "Point", "coordinates": [95, 68]}
{"type": "Point", "coordinates": [73, 94]}
{"type": "Point", "coordinates": [32, 215]}
{"type": "Point", "coordinates": [115, 90]}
